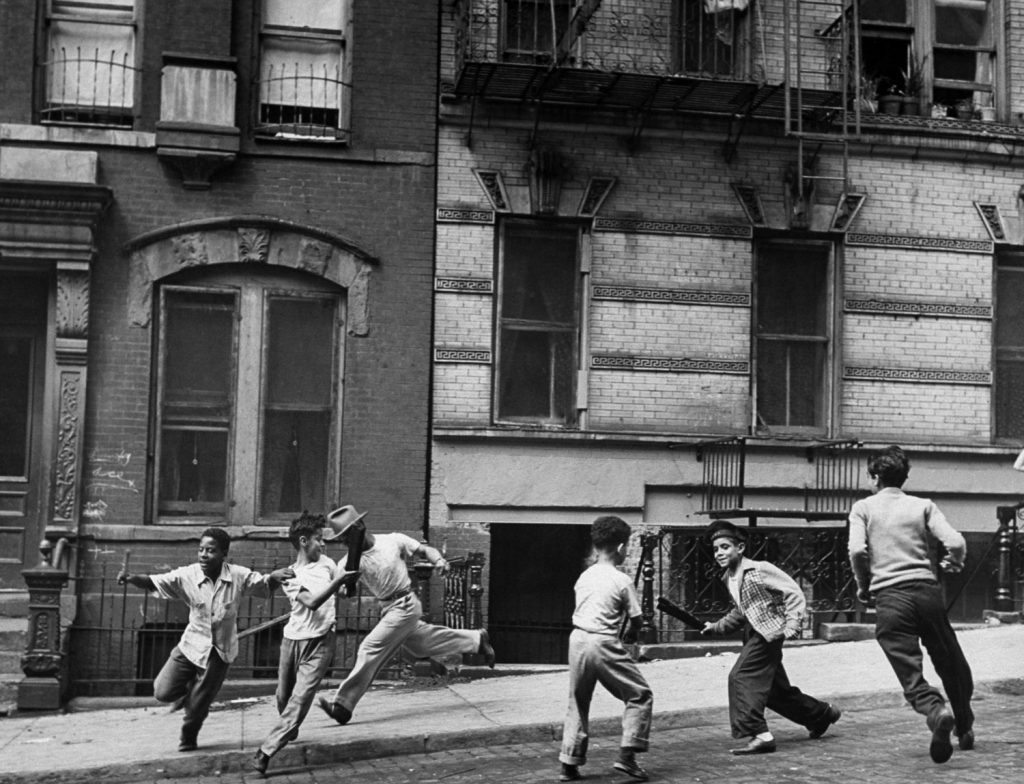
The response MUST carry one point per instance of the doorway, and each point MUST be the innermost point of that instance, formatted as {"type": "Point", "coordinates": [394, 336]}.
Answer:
{"type": "Point", "coordinates": [533, 571]}
{"type": "Point", "coordinates": [23, 318]}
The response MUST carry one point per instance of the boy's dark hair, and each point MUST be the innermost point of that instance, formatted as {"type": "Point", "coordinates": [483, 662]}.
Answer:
{"type": "Point", "coordinates": [719, 529]}
{"type": "Point", "coordinates": [890, 465]}
{"type": "Point", "coordinates": [307, 525]}
{"type": "Point", "coordinates": [608, 532]}
{"type": "Point", "coordinates": [220, 536]}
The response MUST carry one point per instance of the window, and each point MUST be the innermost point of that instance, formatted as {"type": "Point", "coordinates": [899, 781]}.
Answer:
{"type": "Point", "coordinates": [710, 32]}
{"type": "Point", "coordinates": [89, 68]}
{"type": "Point", "coordinates": [953, 41]}
{"type": "Point", "coordinates": [1009, 347]}
{"type": "Point", "coordinates": [247, 398]}
{"type": "Point", "coordinates": [304, 69]}
{"type": "Point", "coordinates": [533, 29]}
{"type": "Point", "coordinates": [538, 301]}
{"type": "Point", "coordinates": [792, 338]}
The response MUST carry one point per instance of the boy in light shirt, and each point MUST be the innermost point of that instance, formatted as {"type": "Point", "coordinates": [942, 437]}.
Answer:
{"type": "Point", "coordinates": [604, 598]}
{"type": "Point", "coordinates": [307, 645]}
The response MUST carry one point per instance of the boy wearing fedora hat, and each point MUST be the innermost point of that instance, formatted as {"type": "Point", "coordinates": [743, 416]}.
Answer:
{"type": "Point", "coordinates": [383, 573]}
{"type": "Point", "coordinates": [772, 605]}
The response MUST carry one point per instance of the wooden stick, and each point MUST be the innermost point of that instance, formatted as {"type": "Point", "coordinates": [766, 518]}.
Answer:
{"type": "Point", "coordinates": [265, 625]}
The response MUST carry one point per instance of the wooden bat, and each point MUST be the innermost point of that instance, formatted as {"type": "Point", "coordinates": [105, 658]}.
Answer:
{"type": "Point", "coordinates": [691, 620]}
{"type": "Point", "coordinates": [124, 562]}
{"type": "Point", "coordinates": [355, 552]}
{"type": "Point", "coordinates": [265, 625]}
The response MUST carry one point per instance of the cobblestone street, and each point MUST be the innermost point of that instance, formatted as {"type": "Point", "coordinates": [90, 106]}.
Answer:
{"type": "Point", "coordinates": [880, 746]}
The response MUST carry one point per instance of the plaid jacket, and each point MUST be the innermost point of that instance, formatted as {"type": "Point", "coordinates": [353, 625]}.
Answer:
{"type": "Point", "coordinates": [770, 601]}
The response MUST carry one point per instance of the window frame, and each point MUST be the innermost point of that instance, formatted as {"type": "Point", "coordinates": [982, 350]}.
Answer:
{"type": "Point", "coordinates": [742, 32]}
{"type": "Point", "coordinates": [1004, 261]}
{"type": "Point", "coordinates": [510, 54]}
{"type": "Point", "coordinates": [253, 293]}
{"type": "Point", "coordinates": [274, 131]}
{"type": "Point", "coordinates": [132, 112]}
{"type": "Point", "coordinates": [829, 382]}
{"type": "Point", "coordinates": [553, 227]}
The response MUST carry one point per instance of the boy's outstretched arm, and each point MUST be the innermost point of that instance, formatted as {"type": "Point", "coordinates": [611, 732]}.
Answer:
{"type": "Point", "coordinates": [138, 580]}
{"type": "Point", "coordinates": [314, 601]}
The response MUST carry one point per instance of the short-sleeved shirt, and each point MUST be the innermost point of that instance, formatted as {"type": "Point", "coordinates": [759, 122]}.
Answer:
{"type": "Point", "coordinates": [304, 623]}
{"type": "Point", "coordinates": [604, 597]}
{"type": "Point", "coordinates": [382, 568]}
{"type": "Point", "coordinates": [213, 607]}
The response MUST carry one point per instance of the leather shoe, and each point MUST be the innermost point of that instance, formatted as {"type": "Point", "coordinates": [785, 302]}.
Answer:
{"type": "Point", "coordinates": [941, 749]}
{"type": "Point", "coordinates": [336, 711]}
{"type": "Point", "coordinates": [966, 740]}
{"type": "Point", "coordinates": [820, 727]}
{"type": "Point", "coordinates": [187, 743]}
{"type": "Point", "coordinates": [570, 773]}
{"type": "Point", "coordinates": [756, 746]}
{"type": "Point", "coordinates": [260, 762]}
{"type": "Point", "coordinates": [486, 649]}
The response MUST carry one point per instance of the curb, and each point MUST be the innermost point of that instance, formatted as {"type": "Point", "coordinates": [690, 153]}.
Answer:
{"type": "Point", "coordinates": [306, 755]}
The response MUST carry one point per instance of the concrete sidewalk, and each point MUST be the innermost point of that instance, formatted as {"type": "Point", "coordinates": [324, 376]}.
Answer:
{"type": "Point", "coordinates": [131, 744]}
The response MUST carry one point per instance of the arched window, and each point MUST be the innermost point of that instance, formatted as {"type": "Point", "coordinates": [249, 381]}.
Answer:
{"type": "Point", "coordinates": [248, 403]}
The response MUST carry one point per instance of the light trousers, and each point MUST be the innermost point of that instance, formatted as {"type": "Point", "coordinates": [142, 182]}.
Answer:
{"type": "Point", "coordinates": [400, 626]}
{"type": "Point", "coordinates": [179, 678]}
{"type": "Point", "coordinates": [601, 658]}
{"type": "Point", "coordinates": [300, 669]}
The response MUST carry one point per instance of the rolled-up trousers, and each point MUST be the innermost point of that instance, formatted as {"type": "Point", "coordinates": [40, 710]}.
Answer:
{"type": "Point", "coordinates": [179, 678]}
{"type": "Point", "coordinates": [601, 658]}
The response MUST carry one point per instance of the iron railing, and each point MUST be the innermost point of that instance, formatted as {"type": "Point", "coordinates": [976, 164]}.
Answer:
{"type": "Point", "coordinates": [297, 101]}
{"type": "Point", "coordinates": [89, 88]}
{"type": "Point", "coordinates": [121, 636]}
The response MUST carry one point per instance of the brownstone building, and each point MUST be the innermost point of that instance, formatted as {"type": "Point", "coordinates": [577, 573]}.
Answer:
{"type": "Point", "coordinates": [216, 241]}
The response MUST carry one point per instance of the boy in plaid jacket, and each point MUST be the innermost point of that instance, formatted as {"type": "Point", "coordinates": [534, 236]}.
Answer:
{"type": "Point", "coordinates": [772, 605]}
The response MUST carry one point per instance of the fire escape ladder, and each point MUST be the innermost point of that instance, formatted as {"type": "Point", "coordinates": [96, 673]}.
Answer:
{"type": "Point", "coordinates": [822, 53]}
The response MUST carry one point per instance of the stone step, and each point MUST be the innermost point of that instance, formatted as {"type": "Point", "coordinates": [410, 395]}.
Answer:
{"type": "Point", "coordinates": [12, 633]}
{"type": "Point", "coordinates": [10, 662]}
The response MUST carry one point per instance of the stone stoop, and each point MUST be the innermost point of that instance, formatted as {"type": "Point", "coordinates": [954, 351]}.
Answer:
{"type": "Point", "coordinates": [12, 647]}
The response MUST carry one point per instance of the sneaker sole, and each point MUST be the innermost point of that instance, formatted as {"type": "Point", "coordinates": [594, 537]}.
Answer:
{"type": "Point", "coordinates": [638, 773]}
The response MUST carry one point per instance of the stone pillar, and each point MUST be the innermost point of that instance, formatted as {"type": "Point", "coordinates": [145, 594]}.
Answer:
{"type": "Point", "coordinates": [41, 688]}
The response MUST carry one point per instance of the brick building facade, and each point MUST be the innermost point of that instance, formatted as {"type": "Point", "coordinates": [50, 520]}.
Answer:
{"type": "Point", "coordinates": [216, 243]}
{"type": "Point", "coordinates": [641, 246]}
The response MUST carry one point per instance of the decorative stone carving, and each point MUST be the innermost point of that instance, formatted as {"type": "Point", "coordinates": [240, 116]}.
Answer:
{"type": "Point", "coordinates": [597, 191]}
{"type": "Point", "coordinates": [65, 484]}
{"type": "Point", "coordinates": [72, 304]}
{"type": "Point", "coordinates": [253, 245]}
{"type": "Point", "coordinates": [190, 250]}
{"type": "Point", "coordinates": [314, 256]}
{"type": "Point", "coordinates": [494, 187]}
{"type": "Point", "coordinates": [750, 201]}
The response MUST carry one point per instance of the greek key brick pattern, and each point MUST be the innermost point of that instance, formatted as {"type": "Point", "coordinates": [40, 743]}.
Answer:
{"type": "Point", "coordinates": [464, 285]}
{"type": "Point", "coordinates": [450, 215]}
{"type": "Point", "coordinates": [973, 378]}
{"type": "Point", "coordinates": [921, 243]}
{"type": "Point", "coordinates": [629, 226]}
{"type": "Point", "coordinates": [675, 296]}
{"type": "Point", "coordinates": [940, 309]}
{"type": "Point", "coordinates": [671, 364]}
{"type": "Point", "coordinates": [476, 356]}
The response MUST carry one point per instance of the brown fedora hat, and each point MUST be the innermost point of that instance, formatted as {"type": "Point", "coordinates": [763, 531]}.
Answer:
{"type": "Point", "coordinates": [340, 520]}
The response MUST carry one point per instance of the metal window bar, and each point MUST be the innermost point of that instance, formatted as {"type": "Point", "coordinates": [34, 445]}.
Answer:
{"type": "Point", "coordinates": [837, 478]}
{"type": "Point", "coordinates": [281, 112]}
{"type": "Point", "coordinates": [76, 91]}
{"type": "Point", "coordinates": [723, 477]}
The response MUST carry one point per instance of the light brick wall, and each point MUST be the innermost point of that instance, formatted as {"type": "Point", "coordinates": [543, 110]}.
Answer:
{"type": "Point", "coordinates": [942, 413]}
{"type": "Point", "coordinates": [462, 393]}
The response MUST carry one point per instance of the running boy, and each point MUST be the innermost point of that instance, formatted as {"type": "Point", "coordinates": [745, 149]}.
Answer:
{"type": "Point", "coordinates": [604, 598]}
{"type": "Point", "coordinates": [773, 605]}
{"type": "Point", "coordinates": [212, 588]}
{"type": "Point", "coordinates": [307, 644]}
{"type": "Point", "coordinates": [383, 572]}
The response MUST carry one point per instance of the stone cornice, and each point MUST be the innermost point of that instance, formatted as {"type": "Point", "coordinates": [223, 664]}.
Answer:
{"type": "Point", "coordinates": [65, 203]}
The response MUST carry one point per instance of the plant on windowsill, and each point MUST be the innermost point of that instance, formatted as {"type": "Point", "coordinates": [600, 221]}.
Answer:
{"type": "Point", "coordinates": [891, 101]}
{"type": "Point", "coordinates": [964, 109]}
{"type": "Point", "coordinates": [913, 85]}
{"type": "Point", "coordinates": [867, 91]}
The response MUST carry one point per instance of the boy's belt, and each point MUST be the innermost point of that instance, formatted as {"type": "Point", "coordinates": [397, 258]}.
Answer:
{"type": "Point", "coordinates": [396, 595]}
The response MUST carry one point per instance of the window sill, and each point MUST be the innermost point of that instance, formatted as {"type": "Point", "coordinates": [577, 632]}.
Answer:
{"type": "Point", "coordinates": [944, 126]}
{"type": "Point", "coordinates": [67, 134]}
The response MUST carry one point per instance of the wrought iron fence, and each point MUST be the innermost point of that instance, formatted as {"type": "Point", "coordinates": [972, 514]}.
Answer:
{"type": "Point", "coordinates": [121, 636]}
{"type": "Point", "coordinates": [89, 88]}
{"type": "Point", "coordinates": [302, 102]}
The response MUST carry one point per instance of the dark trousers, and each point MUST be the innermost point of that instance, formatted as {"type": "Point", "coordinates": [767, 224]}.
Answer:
{"type": "Point", "coordinates": [181, 678]}
{"type": "Point", "coordinates": [758, 681]}
{"type": "Point", "coordinates": [913, 612]}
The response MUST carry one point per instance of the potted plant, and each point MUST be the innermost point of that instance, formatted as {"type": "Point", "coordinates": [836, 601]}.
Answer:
{"type": "Point", "coordinates": [913, 85]}
{"type": "Point", "coordinates": [867, 91]}
{"type": "Point", "coordinates": [890, 101]}
{"type": "Point", "coordinates": [964, 109]}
